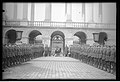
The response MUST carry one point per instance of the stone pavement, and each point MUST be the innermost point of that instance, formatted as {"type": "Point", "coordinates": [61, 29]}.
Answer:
{"type": "Point", "coordinates": [55, 68]}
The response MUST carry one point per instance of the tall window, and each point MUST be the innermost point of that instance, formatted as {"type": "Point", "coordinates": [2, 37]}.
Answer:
{"type": "Point", "coordinates": [58, 12]}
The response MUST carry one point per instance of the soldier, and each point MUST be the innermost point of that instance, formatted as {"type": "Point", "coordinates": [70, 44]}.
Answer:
{"type": "Point", "coordinates": [100, 57]}
{"type": "Point", "coordinates": [4, 57]}
{"type": "Point", "coordinates": [98, 53]}
{"type": "Point", "coordinates": [29, 53]}
{"type": "Point", "coordinates": [88, 54]}
{"type": "Point", "coordinates": [21, 53]}
{"type": "Point", "coordinates": [20, 56]}
{"type": "Point", "coordinates": [113, 60]}
{"type": "Point", "coordinates": [79, 53]}
{"type": "Point", "coordinates": [26, 55]}
{"type": "Point", "coordinates": [82, 56]}
{"type": "Point", "coordinates": [12, 55]}
{"type": "Point", "coordinates": [108, 53]}
{"type": "Point", "coordinates": [96, 56]}
{"type": "Point", "coordinates": [114, 67]}
{"type": "Point", "coordinates": [91, 54]}
{"type": "Point", "coordinates": [104, 58]}
{"type": "Point", "coordinates": [9, 56]}
{"type": "Point", "coordinates": [17, 54]}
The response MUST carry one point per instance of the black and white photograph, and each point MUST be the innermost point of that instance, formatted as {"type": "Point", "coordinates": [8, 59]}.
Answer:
{"type": "Point", "coordinates": [59, 41]}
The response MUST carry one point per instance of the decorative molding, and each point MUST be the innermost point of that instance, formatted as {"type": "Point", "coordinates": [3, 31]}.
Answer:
{"type": "Point", "coordinates": [39, 27]}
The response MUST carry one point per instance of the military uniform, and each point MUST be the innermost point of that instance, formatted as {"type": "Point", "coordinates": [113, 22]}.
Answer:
{"type": "Point", "coordinates": [9, 56]}
{"type": "Point", "coordinates": [108, 53]}
{"type": "Point", "coordinates": [80, 54]}
{"type": "Point", "coordinates": [113, 61]}
{"type": "Point", "coordinates": [96, 56]}
{"type": "Point", "coordinates": [100, 57]}
{"type": "Point", "coordinates": [92, 56]}
{"type": "Point", "coordinates": [88, 53]}
{"type": "Point", "coordinates": [4, 57]}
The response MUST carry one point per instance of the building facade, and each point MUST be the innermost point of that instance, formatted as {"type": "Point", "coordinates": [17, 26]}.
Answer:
{"type": "Point", "coordinates": [59, 23]}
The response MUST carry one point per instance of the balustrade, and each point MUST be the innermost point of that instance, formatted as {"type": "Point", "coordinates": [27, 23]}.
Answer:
{"type": "Point", "coordinates": [59, 24]}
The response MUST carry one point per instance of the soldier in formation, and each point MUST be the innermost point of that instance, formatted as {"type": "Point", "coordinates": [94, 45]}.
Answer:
{"type": "Point", "coordinates": [102, 57]}
{"type": "Point", "coordinates": [17, 54]}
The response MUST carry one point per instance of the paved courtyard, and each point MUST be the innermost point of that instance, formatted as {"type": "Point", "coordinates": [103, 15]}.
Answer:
{"type": "Point", "coordinates": [55, 68]}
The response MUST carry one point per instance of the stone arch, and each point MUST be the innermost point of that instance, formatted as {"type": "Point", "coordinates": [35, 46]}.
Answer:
{"type": "Point", "coordinates": [102, 38]}
{"type": "Point", "coordinates": [10, 36]}
{"type": "Point", "coordinates": [58, 33]}
{"type": "Point", "coordinates": [82, 36]}
{"type": "Point", "coordinates": [32, 36]}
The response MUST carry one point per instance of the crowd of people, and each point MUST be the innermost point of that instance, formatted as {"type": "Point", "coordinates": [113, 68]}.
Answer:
{"type": "Point", "coordinates": [102, 57]}
{"type": "Point", "coordinates": [18, 54]}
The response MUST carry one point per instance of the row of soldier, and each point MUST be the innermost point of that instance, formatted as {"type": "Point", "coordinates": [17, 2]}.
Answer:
{"type": "Point", "coordinates": [102, 57]}
{"type": "Point", "coordinates": [17, 54]}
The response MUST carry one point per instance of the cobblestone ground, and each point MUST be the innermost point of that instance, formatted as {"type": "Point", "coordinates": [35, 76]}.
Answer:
{"type": "Point", "coordinates": [55, 68]}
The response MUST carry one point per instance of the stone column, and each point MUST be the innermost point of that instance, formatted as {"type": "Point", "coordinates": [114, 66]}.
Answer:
{"type": "Point", "coordinates": [100, 12]}
{"type": "Point", "coordinates": [83, 12]}
{"type": "Point", "coordinates": [48, 12]}
{"type": "Point", "coordinates": [15, 12]}
{"type": "Point", "coordinates": [68, 12]}
{"type": "Point", "coordinates": [92, 12]}
{"type": "Point", "coordinates": [25, 11]}
{"type": "Point", "coordinates": [32, 11]}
